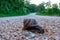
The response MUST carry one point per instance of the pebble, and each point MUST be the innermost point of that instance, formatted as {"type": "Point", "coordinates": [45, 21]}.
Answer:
{"type": "Point", "coordinates": [32, 35]}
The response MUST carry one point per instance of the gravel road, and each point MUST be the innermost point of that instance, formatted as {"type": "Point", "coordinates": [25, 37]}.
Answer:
{"type": "Point", "coordinates": [11, 28]}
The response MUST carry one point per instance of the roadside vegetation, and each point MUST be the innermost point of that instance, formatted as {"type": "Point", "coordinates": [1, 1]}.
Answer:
{"type": "Point", "coordinates": [49, 10]}
{"type": "Point", "coordinates": [23, 7]}
{"type": "Point", "coordinates": [45, 9]}
{"type": "Point", "coordinates": [13, 8]}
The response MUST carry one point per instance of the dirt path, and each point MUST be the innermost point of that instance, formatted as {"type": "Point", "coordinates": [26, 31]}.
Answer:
{"type": "Point", "coordinates": [11, 28]}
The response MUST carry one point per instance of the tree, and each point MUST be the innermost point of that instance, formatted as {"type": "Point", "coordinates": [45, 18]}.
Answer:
{"type": "Point", "coordinates": [55, 8]}
{"type": "Point", "coordinates": [59, 5]}
{"type": "Point", "coordinates": [15, 6]}
{"type": "Point", "coordinates": [32, 8]}
{"type": "Point", "coordinates": [40, 7]}
{"type": "Point", "coordinates": [48, 4]}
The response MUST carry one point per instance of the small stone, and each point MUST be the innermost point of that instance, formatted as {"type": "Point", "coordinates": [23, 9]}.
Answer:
{"type": "Point", "coordinates": [17, 39]}
{"type": "Point", "coordinates": [33, 35]}
{"type": "Point", "coordinates": [46, 38]}
{"type": "Point", "coordinates": [15, 35]}
{"type": "Point", "coordinates": [51, 38]}
{"type": "Point", "coordinates": [27, 38]}
{"type": "Point", "coordinates": [17, 30]}
{"type": "Point", "coordinates": [0, 39]}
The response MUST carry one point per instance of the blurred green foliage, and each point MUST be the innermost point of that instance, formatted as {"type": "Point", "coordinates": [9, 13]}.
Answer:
{"type": "Point", "coordinates": [31, 8]}
{"type": "Point", "coordinates": [23, 7]}
{"type": "Point", "coordinates": [40, 7]}
{"type": "Point", "coordinates": [50, 11]}
{"type": "Point", "coordinates": [12, 8]}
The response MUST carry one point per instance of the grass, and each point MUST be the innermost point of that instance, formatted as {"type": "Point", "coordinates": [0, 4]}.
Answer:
{"type": "Point", "coordinates": [13, 14]}
{"type": "Point", "coordinates": [16, 12]}
{"type": "Point", "coordinates": [47, 14]}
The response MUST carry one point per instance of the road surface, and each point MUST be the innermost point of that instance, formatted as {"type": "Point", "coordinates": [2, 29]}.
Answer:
{"type": "Point", "coordinates": [11, 27]}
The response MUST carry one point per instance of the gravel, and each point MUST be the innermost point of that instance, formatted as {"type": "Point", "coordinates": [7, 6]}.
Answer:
{"type": "Point", "coordinates": [11, 28]}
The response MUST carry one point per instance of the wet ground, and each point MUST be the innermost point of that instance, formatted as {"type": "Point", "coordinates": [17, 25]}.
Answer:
{"type": "Point", "coordinates": [11, 28]}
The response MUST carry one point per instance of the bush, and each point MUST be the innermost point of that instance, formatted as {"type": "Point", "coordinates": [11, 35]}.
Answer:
{"type": "Point", "coordinates": [12, 8]}
{"type": "Point", "coordinates": [50, 12]}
